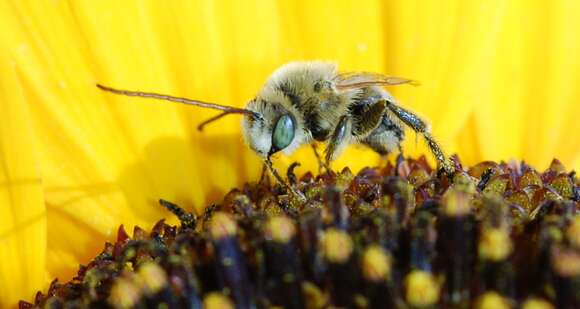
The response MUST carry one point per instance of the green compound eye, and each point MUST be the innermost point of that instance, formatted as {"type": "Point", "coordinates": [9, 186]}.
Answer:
{"type": "Point", "coordinates": [283, 133]}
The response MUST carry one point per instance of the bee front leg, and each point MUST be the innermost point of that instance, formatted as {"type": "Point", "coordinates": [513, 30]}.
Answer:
{"type": "Point", "coordinates": [419, 126]}
{"type": "Point", "coordinates": [340, 138]}
{"type": "Point", "coordinates": [281, 181]}
{"type": "Point", "coordinates": [264, 175]}
{"type": "Point", "coordinates": [292, 179]}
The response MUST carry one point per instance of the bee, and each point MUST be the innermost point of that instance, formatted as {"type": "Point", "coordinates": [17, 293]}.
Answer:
{"type": "Point", "coordinates": [308, 102]}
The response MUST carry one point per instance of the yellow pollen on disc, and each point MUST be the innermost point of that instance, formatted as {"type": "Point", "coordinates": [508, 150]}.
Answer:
{"type": "Point", "coordinates": [456, 202]}
{"type": "Point", "coordinates": [336, 245]}
{"type": "Point", "coordinates": [221, 225]}
{"type": "Point", "coordinates": [537, 303]}
{"type": "Point", "coordinates": [280, 229]}
{"type": "Point", "coordinates": [421, 289]}
{"type": "Point", "coordinates": [495, 244]}
{"type": "Point", "coordinates": [492, 300]}
{"type": "Point", "coordinates": [376, 264]}
{"type": "Point", "coordinates": [566, 262]}
{"type": "Point", "coordinates": [217, 301]}
{"type": "Point", "coordinates": [124, 293]}
{"type": "Point", "coordinates": [152, 277]}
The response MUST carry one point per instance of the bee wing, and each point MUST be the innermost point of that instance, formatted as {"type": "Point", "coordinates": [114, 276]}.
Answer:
{"type": "Point", "coordinates": [354, 80]}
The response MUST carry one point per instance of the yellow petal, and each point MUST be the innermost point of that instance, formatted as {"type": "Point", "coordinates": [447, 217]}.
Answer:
{"type": "Point", "coordinates": [105, 160]}
{"type": "Point", "coordinates": [22, 211]}
{"type": "Point", "coordinates": [498, 82]}
{"type": "Point", "coordinates": [498, 78]}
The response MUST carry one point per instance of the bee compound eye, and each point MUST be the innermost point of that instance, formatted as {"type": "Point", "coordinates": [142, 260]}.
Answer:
{"type": "Point", "coordinates": [283, 133]}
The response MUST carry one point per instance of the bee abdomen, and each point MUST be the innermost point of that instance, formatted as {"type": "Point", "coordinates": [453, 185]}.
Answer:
{"type": "Point", "coordinates": [386, 137]}
{"type": "Point", "coordinates": [388, 125]}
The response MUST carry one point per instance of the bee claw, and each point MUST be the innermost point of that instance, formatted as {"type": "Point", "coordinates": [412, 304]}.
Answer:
{"type": "Point", "coordinates": [447, 169]}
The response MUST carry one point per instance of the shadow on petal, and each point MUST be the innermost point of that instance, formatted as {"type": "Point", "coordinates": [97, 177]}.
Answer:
{"type": "Point", "coordinates": [177, 170]}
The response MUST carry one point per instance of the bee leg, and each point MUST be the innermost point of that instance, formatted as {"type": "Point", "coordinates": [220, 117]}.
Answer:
{"type": "Point", "coordinates": [321, 164]}
{"type": "Point", "coordinates": [400, 159]}
{"type": "Point", "coordinates": [446, 165]}
{"type": "Point", "coordinates": [401, 151]}
{"type": "Point", "coordinates": [187, 219]}
{"type": "Point", "coordinates": [263, 174]}
{"type": "Point", "coordinates": [292, 179]}
{"type": "Point", "coordinates": [339, 138]}
{"type": "Point", "coordinates": [282, 182]}
{"type": "Point", "coordinates": [400, 156]}
{"type": "Point", "coordinates": [419, 126]}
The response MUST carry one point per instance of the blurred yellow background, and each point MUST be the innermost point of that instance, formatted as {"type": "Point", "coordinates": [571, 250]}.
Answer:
{"type": "Point", "coordinates": [499, 81]}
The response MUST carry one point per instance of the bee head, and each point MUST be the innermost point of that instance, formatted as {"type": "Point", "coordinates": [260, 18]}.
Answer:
{"type": "Point", "coordinates": [278, 130]}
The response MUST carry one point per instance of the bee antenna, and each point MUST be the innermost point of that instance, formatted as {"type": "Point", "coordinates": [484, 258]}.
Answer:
{"type": "Point", "coordinates": [256, 116]}
{"type": "Point", "coordinates": [226, 109]}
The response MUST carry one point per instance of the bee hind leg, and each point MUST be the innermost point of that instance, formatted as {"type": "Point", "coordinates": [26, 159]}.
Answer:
{"type": "Point", "coordinates": [339, 139]}
{"type": "Point", "coordinates": [400, 156]}
{"type": "Point", "coordinates": [419, 126]}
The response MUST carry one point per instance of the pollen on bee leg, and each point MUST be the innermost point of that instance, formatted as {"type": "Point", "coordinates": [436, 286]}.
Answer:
{"type": "Point", "coordinates": [188, 220]}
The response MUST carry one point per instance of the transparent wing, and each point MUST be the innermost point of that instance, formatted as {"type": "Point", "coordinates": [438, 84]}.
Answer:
{"type": "Point", "coordinates": [354, 80]}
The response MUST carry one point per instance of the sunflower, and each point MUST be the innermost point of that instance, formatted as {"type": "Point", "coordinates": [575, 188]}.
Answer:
{"type": "Point", "coordinates": [498, 82]}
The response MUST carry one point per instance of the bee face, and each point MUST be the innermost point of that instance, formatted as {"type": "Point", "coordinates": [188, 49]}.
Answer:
{"type": "Point", "coordinates": [277, 131]}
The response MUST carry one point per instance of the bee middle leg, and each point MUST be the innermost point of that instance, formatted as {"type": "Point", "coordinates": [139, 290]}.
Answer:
{"type": "Point", "coordinates": [419, 126]}
{"type": "Point", "coordinates": [339, 139]}
{"type": "Point", "coordinates": [321, 164]}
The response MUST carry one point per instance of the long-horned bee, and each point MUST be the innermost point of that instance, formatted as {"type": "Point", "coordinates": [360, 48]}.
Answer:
{"type": "Point", "coordinates": [304, 102]}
